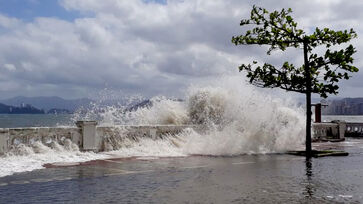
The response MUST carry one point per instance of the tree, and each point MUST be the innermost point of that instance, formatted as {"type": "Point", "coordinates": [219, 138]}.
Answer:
{"type": "Point", "coordinates": [319, 73]}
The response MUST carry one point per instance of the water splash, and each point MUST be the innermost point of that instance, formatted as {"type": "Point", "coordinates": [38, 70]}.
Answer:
{"type": "Point", "coordinates": [236, 119]}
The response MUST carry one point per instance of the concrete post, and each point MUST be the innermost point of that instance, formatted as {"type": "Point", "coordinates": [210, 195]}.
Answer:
{"type": "Point", "coordinates": [342, 126]}
{"type": "Point", "coordinates": [89, 135]}
{"type": "Point", "coordinates": [4, 146]}
{"type": "Point", "coordinates": [153, 133]}
{"type": "Point", "coordinates": [318, 113]}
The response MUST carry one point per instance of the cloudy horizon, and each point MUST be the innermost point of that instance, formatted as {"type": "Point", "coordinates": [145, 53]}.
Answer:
{"type": "Point", "coordinates": [78, 48]}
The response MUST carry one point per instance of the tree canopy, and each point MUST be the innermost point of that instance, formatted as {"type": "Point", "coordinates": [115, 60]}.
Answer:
{"type": "Point", "coordinates": [319, 73]}
{"type": "Point", "coordinates": [279, 31]}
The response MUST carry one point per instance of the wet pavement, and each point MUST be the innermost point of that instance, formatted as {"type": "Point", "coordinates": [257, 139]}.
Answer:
{"type": "Point", "coordinates": [271, 178]}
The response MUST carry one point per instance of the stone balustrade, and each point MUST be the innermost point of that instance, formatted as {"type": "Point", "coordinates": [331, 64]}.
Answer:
{"type": "Point", "coordinates": [87, 135]}
{"type": "Point", "coordinates": [90, 137]}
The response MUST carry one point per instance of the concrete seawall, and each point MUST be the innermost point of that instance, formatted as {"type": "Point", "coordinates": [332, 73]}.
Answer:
{"type": "Point", "coordinates": [90, 137]}
{"type": "Point", "coordinates": [87, 135]}
{"type": "Point", "coordinates": [333, 131]}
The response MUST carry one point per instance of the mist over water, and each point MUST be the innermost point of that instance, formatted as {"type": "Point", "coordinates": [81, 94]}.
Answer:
{"type": "Point", "coordinates": [236, 119]}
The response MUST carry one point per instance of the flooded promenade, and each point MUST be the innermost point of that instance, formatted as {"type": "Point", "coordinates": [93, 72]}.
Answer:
{"type": "Point", "coordinates": [269, 178]}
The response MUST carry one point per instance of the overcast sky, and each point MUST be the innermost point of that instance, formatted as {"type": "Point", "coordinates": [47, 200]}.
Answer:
{"type": "Point", "coordinates": [76, 48]}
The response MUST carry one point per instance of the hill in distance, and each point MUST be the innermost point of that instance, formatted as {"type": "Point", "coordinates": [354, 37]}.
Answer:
{"type": "Point", "coordinates": [48, 103]}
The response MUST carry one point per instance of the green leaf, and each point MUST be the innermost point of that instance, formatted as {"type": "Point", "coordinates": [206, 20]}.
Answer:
{"type": "Point", "coordinates": [279, 31]}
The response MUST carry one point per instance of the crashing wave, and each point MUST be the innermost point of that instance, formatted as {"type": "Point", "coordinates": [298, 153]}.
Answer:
{"type": "Point", "coordinates": [236, 119]}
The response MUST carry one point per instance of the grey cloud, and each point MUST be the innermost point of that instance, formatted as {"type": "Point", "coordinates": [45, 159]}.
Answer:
{"type": "Point", "coordinates": [144, 48]}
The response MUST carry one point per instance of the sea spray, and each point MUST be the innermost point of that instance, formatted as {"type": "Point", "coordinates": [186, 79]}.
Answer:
{"type": "Point", "coordinates": [235, 118]}
{"type": "Point", "coordinates": [108, 107]}
{"type": "Point", "coordinates": [241, 120]}
{"type": "Point", "coordinates": [162, 111]}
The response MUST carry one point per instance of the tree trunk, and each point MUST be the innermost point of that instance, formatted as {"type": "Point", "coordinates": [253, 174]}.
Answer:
{"type": "Point", "coordinates": [308, 100]}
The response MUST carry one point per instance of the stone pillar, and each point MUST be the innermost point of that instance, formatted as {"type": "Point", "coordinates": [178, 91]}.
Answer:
{"type": "Point", "coordinates": [4, 137]}
{"type": "Point", "coordinates": [90, 139]}
{"type": "Point", "coordinates": [342, 126]}
{"type": "Point", "coordinates": [318, 113]}
{"type": "Point", "coordinates": [153, 133]}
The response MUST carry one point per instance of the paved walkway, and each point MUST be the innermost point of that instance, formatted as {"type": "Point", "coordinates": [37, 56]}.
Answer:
{"type": "Point", "coordinates": [273, 178]}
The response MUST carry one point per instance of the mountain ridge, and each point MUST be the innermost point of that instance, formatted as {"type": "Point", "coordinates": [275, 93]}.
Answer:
{"type": "Point", "coordinates": [48, 102]}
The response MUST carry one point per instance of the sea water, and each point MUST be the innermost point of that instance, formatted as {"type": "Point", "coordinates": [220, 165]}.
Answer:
{"type": "Point", "coordinates": [34, 120]}
{"type": "Point", "coordinates": [346, 118]}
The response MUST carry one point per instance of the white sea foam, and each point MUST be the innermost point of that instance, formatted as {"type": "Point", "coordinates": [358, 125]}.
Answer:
{"type": "Point", "coordinates": [27, 158]}
{"type": "Point", "coordinates": [237, 119]}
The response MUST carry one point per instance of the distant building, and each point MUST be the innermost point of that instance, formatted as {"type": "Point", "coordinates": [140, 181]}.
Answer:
{"type": "Point", "coordinates": [346, 106]}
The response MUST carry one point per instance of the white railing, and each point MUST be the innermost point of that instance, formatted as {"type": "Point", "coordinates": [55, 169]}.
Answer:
{"type": "Point", "coordinates": [87, 135]}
